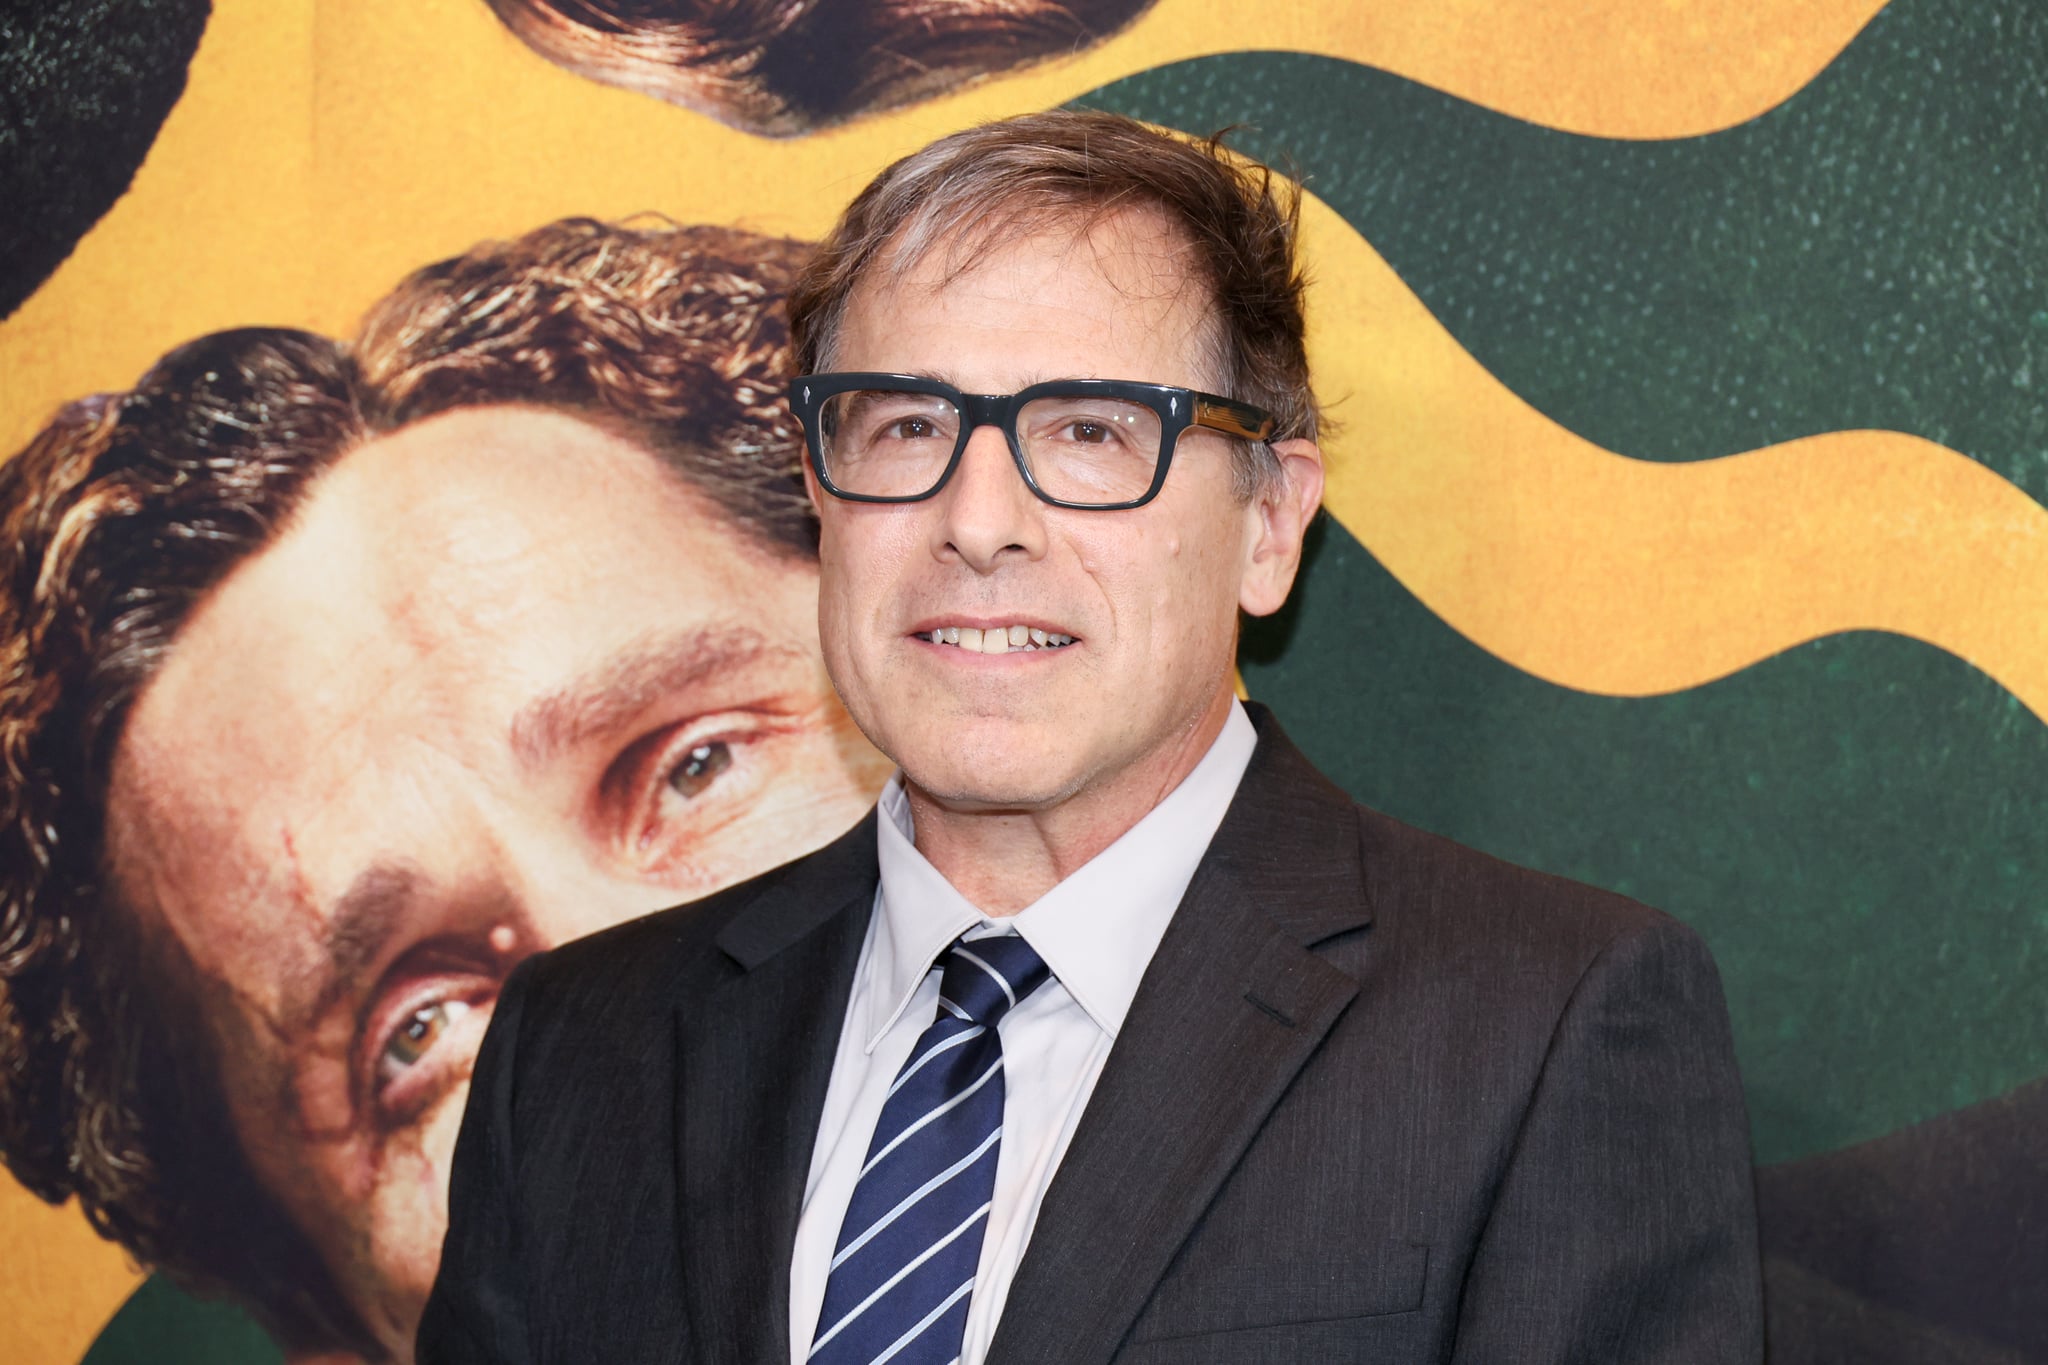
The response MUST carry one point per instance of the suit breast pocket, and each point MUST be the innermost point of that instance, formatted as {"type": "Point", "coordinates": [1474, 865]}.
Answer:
{"type": "Point", "coordinates": [1280, 1309]}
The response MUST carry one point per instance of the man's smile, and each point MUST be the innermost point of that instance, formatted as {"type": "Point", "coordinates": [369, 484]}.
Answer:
{"type": "Point", "coordinates": [987, 636]}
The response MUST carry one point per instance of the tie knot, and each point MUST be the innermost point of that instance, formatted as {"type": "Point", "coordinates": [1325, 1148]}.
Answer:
{"type": "Point", "coordinates": [986, 978]}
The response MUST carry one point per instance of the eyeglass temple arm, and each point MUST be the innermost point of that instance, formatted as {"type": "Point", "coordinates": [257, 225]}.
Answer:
{"type": "Point", "coordinates": [1238, 419]}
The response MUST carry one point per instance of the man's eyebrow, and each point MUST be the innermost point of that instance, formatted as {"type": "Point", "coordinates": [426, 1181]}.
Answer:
{"type": "Point", "coordinates": [1035, 377]}
{"type": "Point", "coordinates": [614, 692]}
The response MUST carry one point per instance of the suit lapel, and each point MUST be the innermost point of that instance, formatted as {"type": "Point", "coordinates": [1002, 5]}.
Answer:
{"type": "Point", "coordinates": [754, 1057]}
{"type": "Point", "coordinates": [1230, 1008]}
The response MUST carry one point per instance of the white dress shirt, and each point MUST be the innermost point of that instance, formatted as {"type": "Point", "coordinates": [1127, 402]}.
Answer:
{"type": "Point", "coordinates": [1097, 930]}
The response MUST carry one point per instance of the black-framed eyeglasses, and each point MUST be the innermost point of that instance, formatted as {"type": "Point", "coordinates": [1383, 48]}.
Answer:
{"type": "Point", "coordinates": [1097, 444]}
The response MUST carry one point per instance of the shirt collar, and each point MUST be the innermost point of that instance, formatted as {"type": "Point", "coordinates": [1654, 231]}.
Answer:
{"type": "Point", "coordinates": [1097, 930]}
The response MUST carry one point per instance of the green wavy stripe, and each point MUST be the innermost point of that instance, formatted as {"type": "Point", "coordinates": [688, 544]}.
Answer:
{"type": "Point", "coordinates": [1872, 253]}
{"type": "Point", "coordinates": [1859, 827]}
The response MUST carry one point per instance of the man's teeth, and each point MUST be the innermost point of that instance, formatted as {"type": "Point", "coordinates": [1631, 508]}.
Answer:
{"type": "Point", "coordinates": [998, 639]}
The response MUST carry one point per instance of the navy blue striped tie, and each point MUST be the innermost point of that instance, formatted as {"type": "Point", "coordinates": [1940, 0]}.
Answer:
{"type": "Point", "coordinates": [904, 1267]}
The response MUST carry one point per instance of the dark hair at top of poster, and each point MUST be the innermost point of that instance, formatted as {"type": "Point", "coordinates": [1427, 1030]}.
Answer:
{"type": "Point", "coordinates": [676, 334]}
{"type": "Point", "coordinates": [127, 510]}
{"type": "Point", "coordinates": [780, 68]}
{"type": "Point", "coordinates": [974, 191]}
{"type": "Point", "coordinates": [84, 87]}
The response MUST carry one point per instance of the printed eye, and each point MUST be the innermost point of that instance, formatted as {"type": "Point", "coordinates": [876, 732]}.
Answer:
{"type": "Point", "coordinates": [1089, 433]}
{"type": "Point", "coordinates": [679, 785]}
{"type": "Point", "coordinates": [416, 1035]}
{"type": "Point", "coordinates": [418, 1039]}
{"type": "Point", "coordinates": [700, 767]}
{"type": "Point", "coordinates": [674, 803]}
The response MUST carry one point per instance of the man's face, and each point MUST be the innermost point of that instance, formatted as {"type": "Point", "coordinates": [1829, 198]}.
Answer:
{"type": "Point", "coordinates": [504, 681]}
{"type": "Point", "coordinates": [1150, 595]}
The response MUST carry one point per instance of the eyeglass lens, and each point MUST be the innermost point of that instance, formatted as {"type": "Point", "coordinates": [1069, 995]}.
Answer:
{"type": "Point", "coordinates": [893, 444]}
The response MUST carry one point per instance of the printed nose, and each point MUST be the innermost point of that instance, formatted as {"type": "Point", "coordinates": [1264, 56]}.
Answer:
{"type": "Point", "coordinates": [558, 899]}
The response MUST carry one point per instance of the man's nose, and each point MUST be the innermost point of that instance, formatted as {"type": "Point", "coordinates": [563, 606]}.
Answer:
{"type": "Point", "coordinates": [986, 511]}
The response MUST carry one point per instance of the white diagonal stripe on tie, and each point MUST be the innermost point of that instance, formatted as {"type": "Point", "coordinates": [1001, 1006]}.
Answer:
{"type": "Point", "coordinates": [955, 1041]}
{"type": "Point", "coordinates": [914, 1333]}
{"type": "Point", "coordinates": [951, 1104]}
{"type": "Point", "coordinates": [1000, 979]}
{"type": "Point", "coordinates": [932, 1156]}
{"type": "Point", "coordinates": [897, 1279]}
{"type": "Point", "coordinates": [920, 1192]}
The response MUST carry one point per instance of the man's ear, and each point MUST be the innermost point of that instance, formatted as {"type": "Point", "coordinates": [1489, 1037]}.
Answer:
{"type": "Point", "coordinates": [1281, 511]}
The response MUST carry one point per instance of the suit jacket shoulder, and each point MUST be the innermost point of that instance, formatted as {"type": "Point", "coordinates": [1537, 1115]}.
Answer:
{"type": "Point", "coordinates": [1382, 1096]}
{"type": "Point", "coordinates": [594, 1131]}
{"type": "Point", "coordinates": [1460, 915]}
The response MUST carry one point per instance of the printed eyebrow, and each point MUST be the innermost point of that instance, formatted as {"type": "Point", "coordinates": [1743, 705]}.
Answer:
{"type": "Point", "coordinates": [362, 923]}
{"type": "Point", "coordinates": [614, 692]}
{"type": "Point", "coordinates": [381, 897]}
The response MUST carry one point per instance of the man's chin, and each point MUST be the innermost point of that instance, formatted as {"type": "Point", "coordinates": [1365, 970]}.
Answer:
{"type": "Point", "coordinates": [994, 785]}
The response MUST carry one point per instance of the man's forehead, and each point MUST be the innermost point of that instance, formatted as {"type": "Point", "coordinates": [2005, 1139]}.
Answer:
{"type": "Point", "coordinates": [935, 253]}
{"type": "Point", "coordinates": [1132, 262]}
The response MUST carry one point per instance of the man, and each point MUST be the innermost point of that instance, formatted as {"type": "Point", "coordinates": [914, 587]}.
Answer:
{"type": "Point", "coordinates": [337, 681]}
{"type": "Point", "coordinates": [1118, 1033]}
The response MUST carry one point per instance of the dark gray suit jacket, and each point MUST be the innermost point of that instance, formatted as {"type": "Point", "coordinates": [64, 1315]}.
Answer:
{"type": "Point", "coordinates": [1379, 1097]}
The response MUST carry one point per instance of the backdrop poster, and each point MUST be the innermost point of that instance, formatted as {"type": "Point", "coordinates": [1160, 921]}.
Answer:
{"type": "Point", "coordinates": [1686, 536]}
